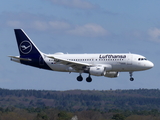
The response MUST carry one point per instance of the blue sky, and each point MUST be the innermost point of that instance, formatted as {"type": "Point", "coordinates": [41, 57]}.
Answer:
{"type": "Point", "coordinates": [80, 26]}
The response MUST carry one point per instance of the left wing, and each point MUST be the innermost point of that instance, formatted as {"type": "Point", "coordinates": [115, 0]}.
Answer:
{"type": "Point", "coordinates": [74, 64]}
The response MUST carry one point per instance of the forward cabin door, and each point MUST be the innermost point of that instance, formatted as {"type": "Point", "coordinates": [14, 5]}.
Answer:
{"type": "Point", "coordinates": [129, 59]}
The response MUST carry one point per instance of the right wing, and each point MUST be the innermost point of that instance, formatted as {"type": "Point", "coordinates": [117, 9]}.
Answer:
{"type": "Point", "coordinates": [74, 64]}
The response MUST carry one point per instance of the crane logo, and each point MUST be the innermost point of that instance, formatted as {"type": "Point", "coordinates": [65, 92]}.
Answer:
{"type": "Point", "coordinates": [25, 47]}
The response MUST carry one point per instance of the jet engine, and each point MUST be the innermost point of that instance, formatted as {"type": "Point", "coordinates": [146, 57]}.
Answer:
{"type": "Point", "coordinates": [111, 74]}
{"type": "Point", "coordinates": [97, 71]}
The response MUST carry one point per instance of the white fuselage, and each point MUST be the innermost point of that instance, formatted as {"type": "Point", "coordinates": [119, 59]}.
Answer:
{"type": "Point", "coordinates": [118, 62]}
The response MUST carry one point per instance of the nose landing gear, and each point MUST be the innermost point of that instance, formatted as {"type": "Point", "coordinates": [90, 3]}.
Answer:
{"type": "Point", "coordinates": [131, 78]}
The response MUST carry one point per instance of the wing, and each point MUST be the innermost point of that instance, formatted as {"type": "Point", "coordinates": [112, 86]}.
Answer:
{"type": "Point", "coordinates": [74, 64]}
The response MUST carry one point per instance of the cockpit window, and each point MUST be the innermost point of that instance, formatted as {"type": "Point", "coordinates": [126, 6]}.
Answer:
{"type": "Point", "coordinates": [140, 59]}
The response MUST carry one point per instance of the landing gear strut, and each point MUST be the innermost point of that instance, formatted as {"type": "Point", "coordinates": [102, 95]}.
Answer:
{"type": "Point", "coordinates": [131, 78]}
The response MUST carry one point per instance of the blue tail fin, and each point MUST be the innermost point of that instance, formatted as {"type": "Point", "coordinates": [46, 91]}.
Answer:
{"type": "Point", "coordinates": [25, 45]}
{"type": "Point", "coordinates": [29, 53]}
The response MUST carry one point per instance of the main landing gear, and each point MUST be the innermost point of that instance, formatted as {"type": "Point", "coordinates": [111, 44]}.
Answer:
{"type": "Point", "coordinates": [80, 78]}
{"type": "Point", "coordinates": [131, 78]}
{"type": "Point", "coordinates": [89, 79]}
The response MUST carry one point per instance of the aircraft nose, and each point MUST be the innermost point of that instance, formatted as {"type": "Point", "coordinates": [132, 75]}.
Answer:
{"type": "Point", "coordinates": [149, 65]}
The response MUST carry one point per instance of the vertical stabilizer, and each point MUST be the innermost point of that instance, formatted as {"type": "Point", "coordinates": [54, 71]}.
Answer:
{"type": "Point", "coordinates": [29, 53]}
{"type": "Point", "coordinates": [25, 45]}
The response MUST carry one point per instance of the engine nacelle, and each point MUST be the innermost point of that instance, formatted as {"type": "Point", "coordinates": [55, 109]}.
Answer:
{"type": "Point", "coordinates": [97, 71]}
{"type": "Point", "coordinates": [111, 74]}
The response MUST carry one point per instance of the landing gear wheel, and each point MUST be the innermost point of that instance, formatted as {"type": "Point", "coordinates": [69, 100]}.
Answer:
{"type": "Point", "coordinates": [79, 78]}
{"type": "Point", "coordinates": [131, 79]}
{"type": "Point", "coordinates": [89, 79]}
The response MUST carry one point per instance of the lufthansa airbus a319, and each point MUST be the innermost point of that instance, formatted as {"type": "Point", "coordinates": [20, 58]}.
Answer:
{"type": "Point", "coordinates": [106, 64]}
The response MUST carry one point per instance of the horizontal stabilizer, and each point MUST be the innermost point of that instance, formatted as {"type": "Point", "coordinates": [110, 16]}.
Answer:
{"type": "Point", "coordinates": [15, 57]}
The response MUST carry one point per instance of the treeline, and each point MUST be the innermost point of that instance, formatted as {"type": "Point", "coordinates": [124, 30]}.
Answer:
{"type": "Point", "coordinates": [79, 100]}
{"type": "Point", "coordinates": [46, 113]}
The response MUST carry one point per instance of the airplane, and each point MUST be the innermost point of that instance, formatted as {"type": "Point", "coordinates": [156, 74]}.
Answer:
{"type": "Point", "coordinates": [103, 64]}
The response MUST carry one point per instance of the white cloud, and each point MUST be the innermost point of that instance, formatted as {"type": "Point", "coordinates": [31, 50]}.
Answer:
{"type": "Point", "coordinates": [37, 22]}
{"type": "Point", "coordinates": [51, 25]}
{"type": "Point", "coordinates": [90, 30]}
{"type": "Point", "coordinates": [55, 26]}
{"type": "Point", "coordinates": [154, 34]}
{"type": "Point", "coordinates": [40, 25]}
{"type": "Point", "coordinates": [59, 25]}
{"type": "Point", "coordinates": [81, 4]}
{"type": "Point", "coordinates": [14, 23]}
